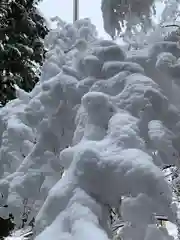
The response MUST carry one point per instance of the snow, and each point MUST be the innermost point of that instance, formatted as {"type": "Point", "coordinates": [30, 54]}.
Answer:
{"type": "Point", "coordinates": [109, 53]}
{"type": "Point", "coordinates": [172, 229]}
{"type": "Point", "coordinates": [111, 68]}
{"type": "Point", "coordinates": [102, 117]}
{"type": "Point", "coordinates": [20, 234]}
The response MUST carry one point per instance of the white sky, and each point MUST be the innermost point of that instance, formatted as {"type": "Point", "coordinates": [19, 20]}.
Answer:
{"type": "Point", "coordinates": [64, 9]}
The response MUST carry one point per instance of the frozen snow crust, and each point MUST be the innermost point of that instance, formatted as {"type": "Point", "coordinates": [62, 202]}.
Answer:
{"type": "Point", "coordinates": [106, 118]}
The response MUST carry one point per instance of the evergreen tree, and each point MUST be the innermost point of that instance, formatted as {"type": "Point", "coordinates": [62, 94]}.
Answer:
{"type": "Point", "coordinates": [22, 29]}
{"type": "Point", "coordinates": [7, 226]}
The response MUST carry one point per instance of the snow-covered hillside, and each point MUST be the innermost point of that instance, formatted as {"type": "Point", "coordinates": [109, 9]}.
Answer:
{"type": "Point", "coordinates": [96, 131]}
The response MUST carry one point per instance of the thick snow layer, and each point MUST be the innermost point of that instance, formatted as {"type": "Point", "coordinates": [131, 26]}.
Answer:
{"type": "Point", "coordinates": [98, 115]}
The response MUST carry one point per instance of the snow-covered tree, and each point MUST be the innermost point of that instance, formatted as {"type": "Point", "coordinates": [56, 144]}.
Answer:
{"type": "Point", "coordinates": [119, 13]}
{"type": "Point", "coordinates": [139, 22]}
{"type": "Point", "coordinates": [93, 137]}
{"type": "Point", "coordinates": [22, 30]}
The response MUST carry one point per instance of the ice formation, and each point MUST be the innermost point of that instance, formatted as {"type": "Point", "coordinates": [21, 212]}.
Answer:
{"type": "Point", "coordinates": [95, 131]}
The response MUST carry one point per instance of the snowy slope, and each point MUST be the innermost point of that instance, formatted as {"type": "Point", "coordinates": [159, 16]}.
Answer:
{"type": "Point", "coordinates": [100, 115]}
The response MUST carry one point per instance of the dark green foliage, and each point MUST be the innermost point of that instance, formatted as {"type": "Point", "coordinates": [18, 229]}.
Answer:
{"type": "Point", "coordinates": [22, 29]}
{"type": "Point", "coordinates": [6, 226]}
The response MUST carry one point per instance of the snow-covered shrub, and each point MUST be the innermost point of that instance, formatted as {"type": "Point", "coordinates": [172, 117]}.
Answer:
{"type": "Point", "coordinates": [93, 135]}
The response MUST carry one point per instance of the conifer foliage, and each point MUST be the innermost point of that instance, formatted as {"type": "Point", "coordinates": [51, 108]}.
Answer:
{"type": "Point", "coordinates": [22, 29]}
{"type": "Point", "coordinates": [7, 226]}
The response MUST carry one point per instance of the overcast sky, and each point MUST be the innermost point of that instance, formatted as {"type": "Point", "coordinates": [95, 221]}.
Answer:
{"type": "Point", "coordinates": [64, 9]}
